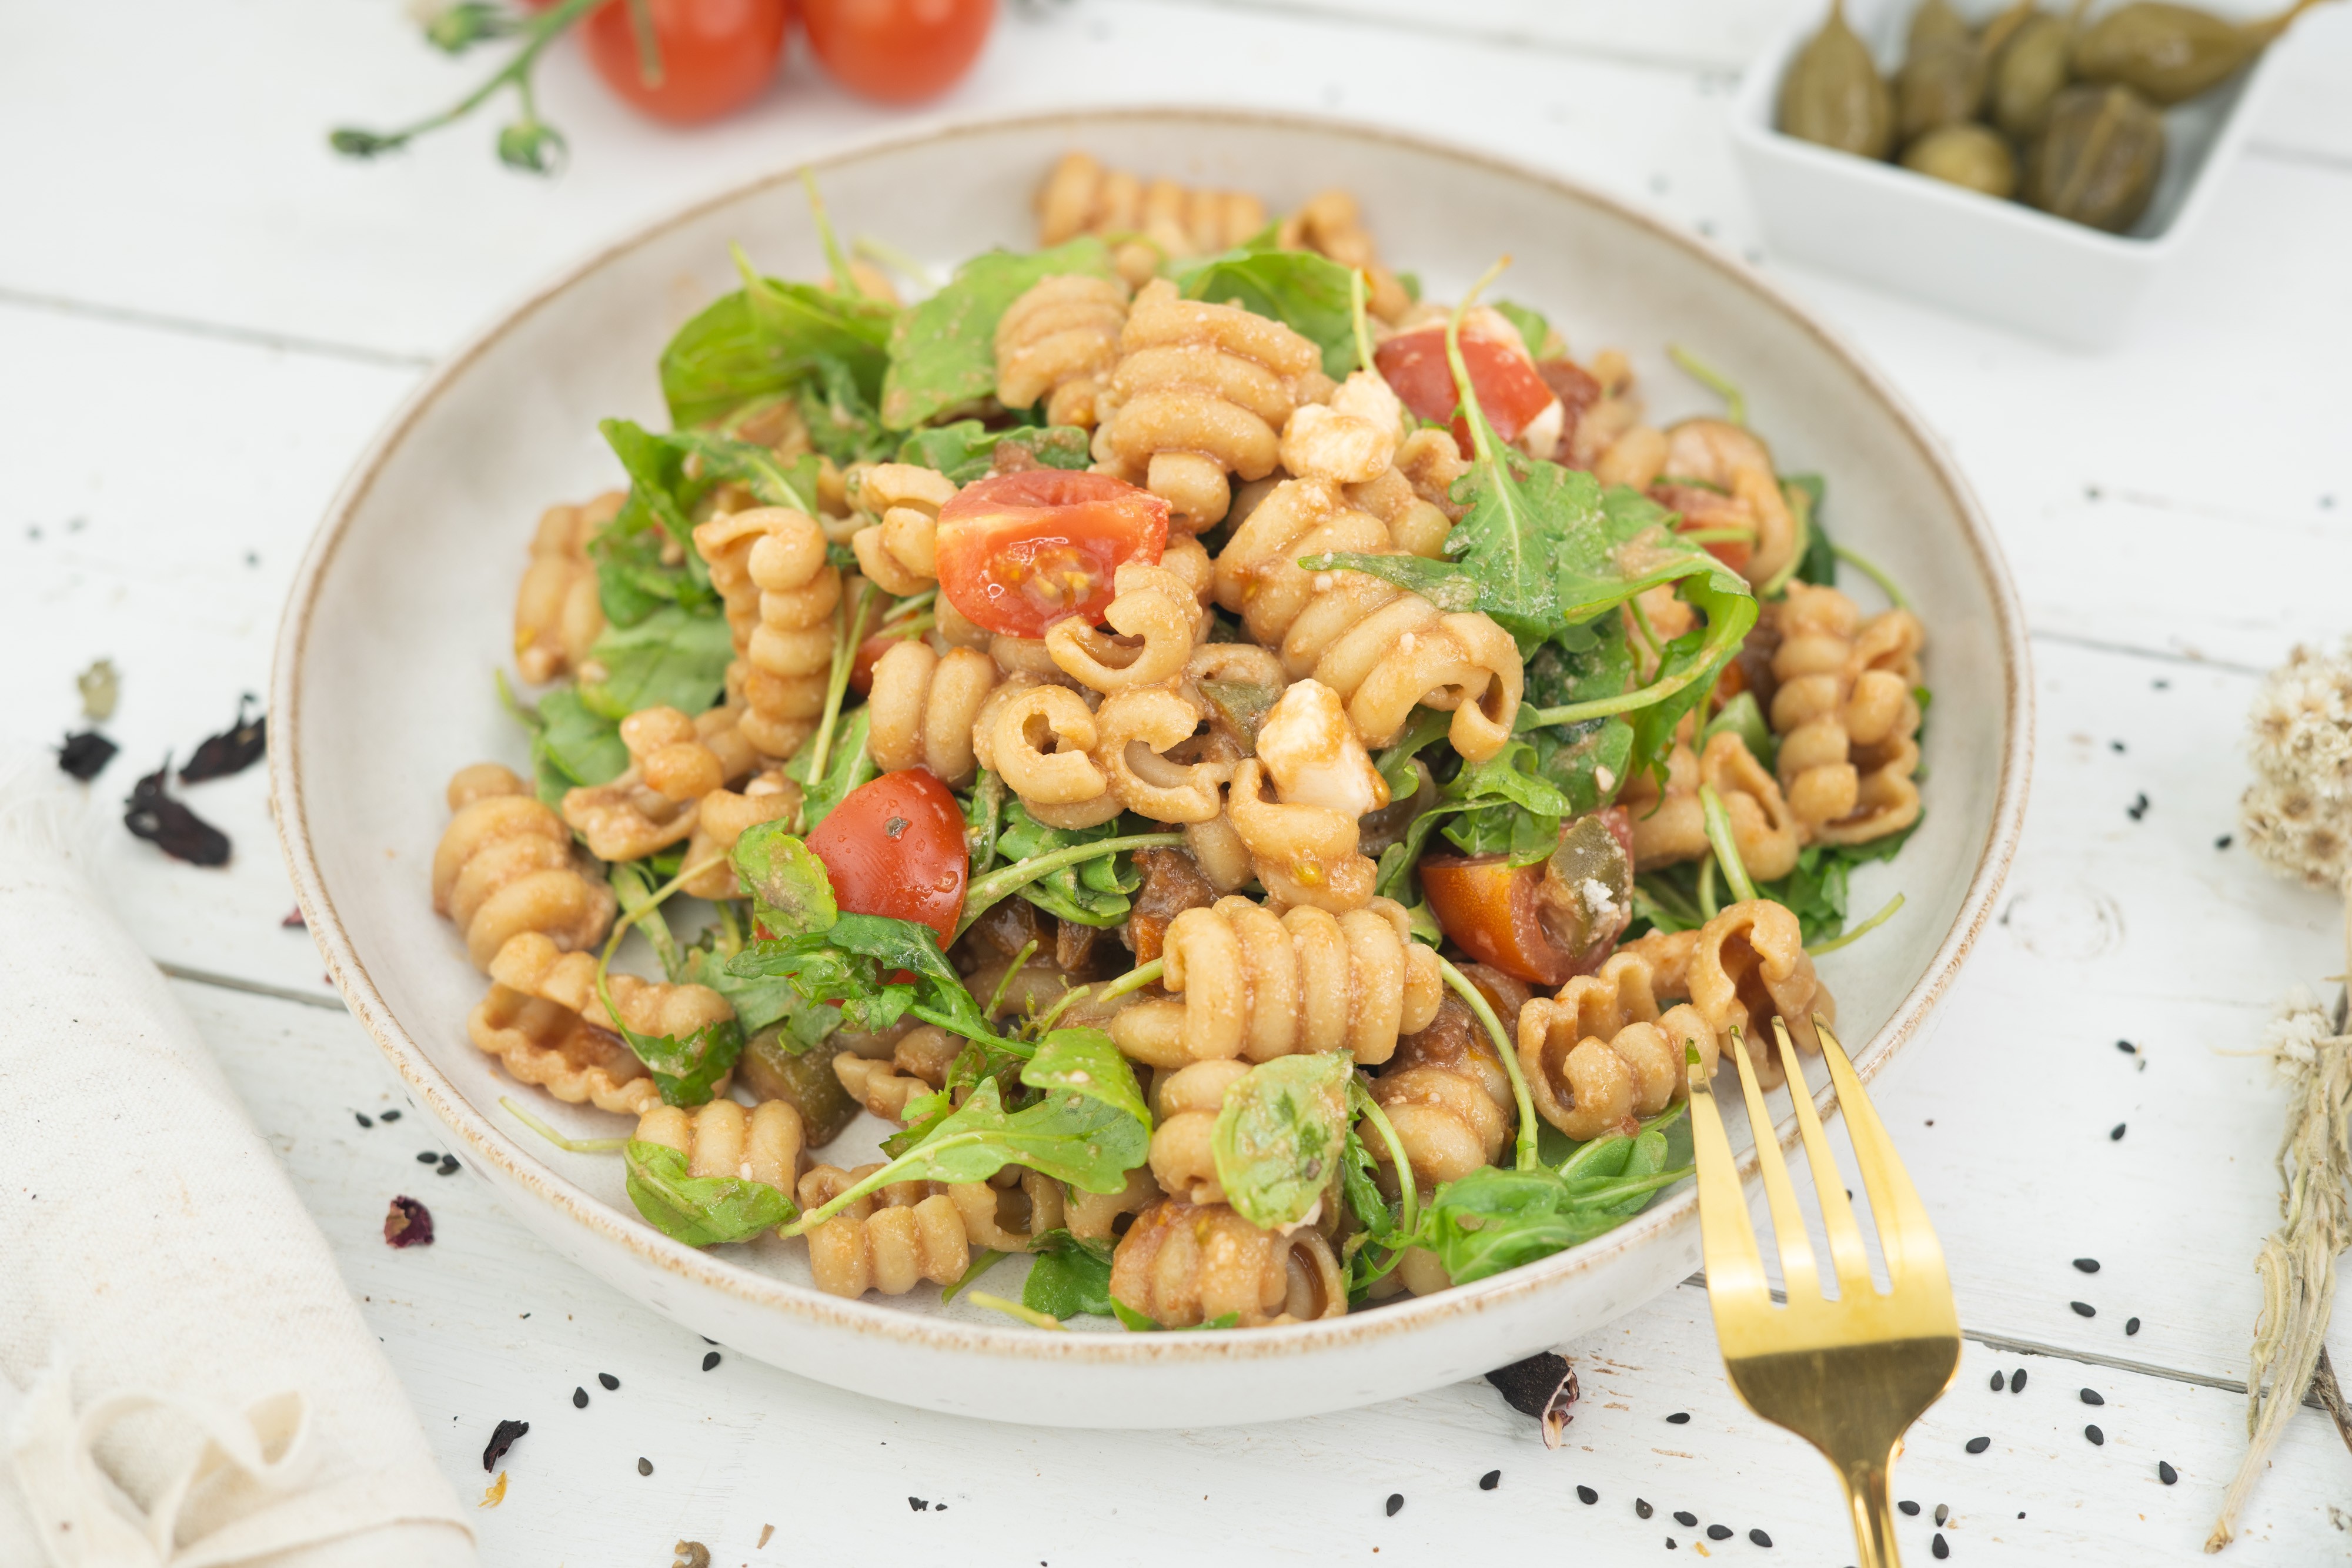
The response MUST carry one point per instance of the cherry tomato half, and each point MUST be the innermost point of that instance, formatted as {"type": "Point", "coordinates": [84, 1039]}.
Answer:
{"type": "Point", "coordinates": [898, 51]}
{"type": "Point", "coordinates": [1509, 391]}
{"type": "Point", "coordinates": [1542, 923]}
{"type": "Point", "coordinates": [716, 55]}
{"type": "Point", "coordinates": [1020, 552]}
{"type": "Point", "coordinates": [1701, 508]}
{"type": "Point", "coordinates": [895, 847]}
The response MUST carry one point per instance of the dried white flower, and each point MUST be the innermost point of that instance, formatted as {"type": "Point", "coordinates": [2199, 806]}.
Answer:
{"type": "Point", "coordinates": [2298, 814]}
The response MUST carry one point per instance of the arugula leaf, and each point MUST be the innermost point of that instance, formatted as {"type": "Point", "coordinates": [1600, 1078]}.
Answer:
{"type": "Point", "coordinates": [1069, 1278]}
{"type": "Point", "coordinates": [1136, 1323]}
{"type": "Point", "coordinates": [966, 450]}
{"type": "Point", "coordinates": [1819, 565]}
{"type": "Point", "coordinates": [1424, 729]}
{"type": "Point", "coordinates": [688, 1071]}
{"type": "Point", "coordinates": [1741, 717]}
{"type": "Point", "coordinates": [1494, 1219]}
{"type": "Point", "coordinates": [1090, 892]}
{"type": "Point", "coordinates": [761, 1002]}
{"type": "Point", "coordinates": [767, 337]}
{"type": "Point", "coordinates": [701, 1211]}
{"type": "Point", "coordinates": [1085, 1061]}
{"type": "Point", "coordinates": [675, 657]}
{"type": "Point", "coordinates": [981, 814]}
{"type": "Point", "coordinates": [852, 961]}
{"type": "Point", "coordinates": [1534, 331]}
{"type": "Point", "coordinates": [645, 557]}
{"type": "Point", "coordinates": [1362, 1191]}
{"type": "Point", "coordinates": [1631, 548]}
{"type": "Point", "coordinates": [1308, 293]}
{"type": "Point", "coordinates": [1067, 1136]}
{"type": "Point", "coordinates": [840, 422]}
{"type": "Point", "coordinates": [845, 769]}
{"type": "Point", "coordinates": [1526, 812]}
{"type": "Point", "coordinates": [1283, 1127]}
{"type": "Point", "coordinates": [574, 747]}
{"type": "Point", "coordinates": [943, 350]}
{"type": "Point", "coordinates": [792, 892]}
{"type": "Point", "coordinates": [1694, 659]}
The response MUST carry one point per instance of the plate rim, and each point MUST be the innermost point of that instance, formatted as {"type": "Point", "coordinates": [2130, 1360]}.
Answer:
{"type": "Point", "coordinates": [486, 1142]}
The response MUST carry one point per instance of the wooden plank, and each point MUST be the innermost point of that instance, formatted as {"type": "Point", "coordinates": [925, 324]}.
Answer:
{"type": "Point", "coordinates": [486, 1324]}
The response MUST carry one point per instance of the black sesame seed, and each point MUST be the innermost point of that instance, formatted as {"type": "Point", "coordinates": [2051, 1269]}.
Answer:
{"type": "Point", "coordinates": [1587, 1495]}
{"type": "Point", "coordinates": [429, 1157]}
{"type": "Point", "coordinates": [2098, 1439]}
{"type": "Point", "coordinates": [1907, 1506]}
{"type": "Point", "coordinates": [1999, 1383]}
{"type": "Point", "coordinates": [1943, 1513]}
{"type": "Point", "coordinates": [1718, 1532]}
{"type": "Point", "coordinates": [608, 1380]}
{"type": "Point", "coordinates": [2222, 842]}
{"type": "Point", "coordinates": [1978, 1445]}
{"type": "Point", "coordinates": [2083, 1308]}
{"type": "Point", "coordinates": [1642, 1509]}
{"type": "Point", "coordinates": [365, 1120]}
{"type": "Point", "coordinates": [1396, 1501]}
{"type": "Point", "coordinates": [1490, 1480]}
{"type": "Point", "coordinates": [2016, 1381]}
{"type": "Point", "coordinates": [1670, 1544]}
{"type": "Point", "coordinates": [389, 1116]}
{"type": "Point", "coordinates": [1759, 1537]}
{"type": "Point", "coordinates": [2093, 1396]}
{"type": "Point", "coordinates": [1939, 1548]}
{"type": "Point", "coordinates": [2128, 1048]}
{"type": "Point", "coordinates": [1679, 1418]}
{"type": "Point", "coordinates": [645, 1467]}
{"type": "Point", "coordinates": [709, 1360]}
{"type": "Point", "coordinates": [580, 1399]}
{"type": "Point", "coordinates": [2088, 1265]}
{"type": "Point", "coordinates": [2131, 1325]}
{"type": "Point", "coordinates": [916, 1505]}
{"type": "Point", "coordinates": [1686, 1520]}
{"type": "Point", "coordinates": [449, 1165]}
{"type": "Point", "coordinates": [2166, 1473]}
{"type": "Point", "coordinates": [2115, 1133]}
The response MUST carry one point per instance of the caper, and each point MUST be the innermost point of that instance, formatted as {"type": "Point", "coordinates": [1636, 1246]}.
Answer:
{"type": "Point", "coordinates": [773, 1070]}
{"type": "Point", "coordinates": [2098, 157]}
{"type": "Point", "coordinates": [1833, 95]}
{"type": "Point", "coordinates": [1942, 81]}
{"type": "Point", "coordinates": [1973, 156]}
{"type": "Point", "coordinates": [2169, 53]}
{"type": "Point", "coordinates": [2027, 74]}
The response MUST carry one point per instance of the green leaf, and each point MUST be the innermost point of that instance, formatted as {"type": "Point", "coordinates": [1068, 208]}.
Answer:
{"type": "Point", "coordinates": [852, 962]}
{"type": "Point", "coordinates": [758, 1003]}
{"type": "Point", "coordinates": [966, 450]}
{"type": "Point", "coordinates": [1741, 717]}
{"type": "Point", "coordinates": [1494, 1219]}
{"type": "Point", "coordinates": [792, 892]}
{"type": "Point", "coordinates": [841, 421]}
{"type": "Point", "coordinates": [765, 338]}
{"type": "Point", "coordinates": [675, 657]}
{"type": "Point", "coordinates": [1695, 658]}
{"type": "Point", "coordinates": [1308, 293]}
{"type": "Point", "coordinates": [1448, 584]}
{"type": "Point", "coordinates": [1090, 892]}
{"type": "Point", "coordinates": [576, 747]}
{"type": "Point", "coordinates": [1085, 1061]}
{"type": "Point", "coordinates": [848, 766]}
{"type": "Point", "coordinates": [1426, 729]}
{"type": "Point", "coordinates": [1069, 1278]}
{"type": "Point", "coordinates": [688, 1071]}
{"type": "Point", "coordinates": [1067, 1136]}
{"type": "Point", "coordinates": [1820, 565]}
{"type": "Point", "coordinates": [1138, 1323]}
{"type": "Point", "coordinates": [1282, 1126]}
{"type": "Point", "coordinates": [1631, 548]}
{"type": "Point", "coordinates": [943, 350]}
{"type": "Point", "coordinates": [1534, 331]}
{"type": "Point", "coordinates": [701, 1211]}
{"type": "Point", "coordinates": [1362, 1192]}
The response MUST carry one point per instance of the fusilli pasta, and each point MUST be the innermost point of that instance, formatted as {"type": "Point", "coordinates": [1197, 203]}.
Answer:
{"type": "Point", "coordinates": [889, 1241]}
{"type": "Point", "coordinates": [1059, 341]}
{"type": "Point", "coordinates": [505, 864]}
{"type": "Point", "coordinates": [767, 564]}
{"type": "Point", "coordinates": [1844, 708]}
{"type": "Point", "coordinates": [1182, 1264]}
{"type": "Point", "coordinates": [557, 612]}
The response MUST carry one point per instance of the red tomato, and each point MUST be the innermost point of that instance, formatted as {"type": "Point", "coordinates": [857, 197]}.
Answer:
{"type": "Point", "coordinates": [895, 847]}
{"type": "Point", "coordinates": [898, 51]}
{"type": "Point", "coordinates": [716, 55]}
{"type": "Point", "coordinates": [1704, 508]}
{"type": "Point", "coordinates": [1509, 391]}
{"type": "Point", "coordinates": [1020, 552]}
{"type": "Point", "coordinates": [1535, 921]}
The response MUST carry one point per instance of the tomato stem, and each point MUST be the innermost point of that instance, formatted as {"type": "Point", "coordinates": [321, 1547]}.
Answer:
{"type": "Point", "coordinates": [650, 69]}
{"type": "Point", "coordinates": [986, 892]}
{"type": "Point", "coordinates": [528, 136]}
{"type": "Point", "coordinates": [1735, 406]}
{"type": "Point", "coordinates": [1525, 1155]}
{"type": "Point", "coordinates": [1856, 934]}
{"type": "Point", "coordinates": [1726, 847]}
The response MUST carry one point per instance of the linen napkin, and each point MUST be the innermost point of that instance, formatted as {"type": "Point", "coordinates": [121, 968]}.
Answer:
{"type": "Point", "coordinates": [184, 1380]}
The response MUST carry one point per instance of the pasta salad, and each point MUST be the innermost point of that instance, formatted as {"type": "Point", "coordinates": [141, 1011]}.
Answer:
{"type": "Point", "coordinates": [1264, 784]}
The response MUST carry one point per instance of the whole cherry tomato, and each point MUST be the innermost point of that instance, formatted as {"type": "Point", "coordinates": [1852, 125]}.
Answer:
{"type": "Point", "coordinates": [895, 847]}
{"type": "Point", "coordinates": [1020, 552]}
{"type": "Point", "coordinates": [1510, 392]}
{"type": "Point", "coordinates": [716, 55]}
{"type": "Point", "coordinates": [898, 51]}
{"type": "Point", "coordinates": [1545, 923]}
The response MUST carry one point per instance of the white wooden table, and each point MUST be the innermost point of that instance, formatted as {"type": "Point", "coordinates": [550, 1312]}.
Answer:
{"type": "Point", "coordinates": [203, 315]}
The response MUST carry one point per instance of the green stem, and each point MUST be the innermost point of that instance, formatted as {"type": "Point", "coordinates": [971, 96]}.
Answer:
{"type": "Point", "coordinates": [1020, 959]}
{"type": "Point", "coordinates": [1482, 434]}
{"type": "Point", "coordinates": [1408, 1185]}
{"type": "Point", "coordinates": [1800, 510]}
{"type": "Point", "coordinates": [986, 892]}
{"type": "Point", "coordinates": [568, 1145]}
{"type": "Point", "coordinates": [1602, 707]}
{"type": "Point", "coordinates": [1726, 848]}
{"type": "Point", "coordinates": [1641, 624]}
{"type": "Point", "coordinates": [881, 1175]}
{"type": "Point", "coordinates": [1036, 1319]}
{"type": "Point", "coordinates": [650, 69]}
{"type": "Point", "coordinates": [835, 262]}
{"type": "Point", "coordinates": [516, 72]}
{"type": "Point", "coordinates": [1042, 1024]}
{"type": "Point", "coordinates": [987, 1260]}
{"type": "Point", "coordinates": [632, 885]}
{"type": "Point", "coordinates": [1524, 1155]}
{"type": "Point", "coordinates": [908, 606]}
{"type": "Point", "coordinates": [897, 260]}
{"type": "Point", "coordinates": [1876, 573]}
{"type": "Point", "coordinates": [1707, 907]}
{"type": "Point", "coordinates": [1858, 932]}
{"type": "Point", "coordinates": [845, 650]}
{"type": "Point", "coordinates": [1735, 406]}
{"type": "Point", "coordinates": [1715, 536]}
{"type": "Point", "coordinates": [1356, 310]}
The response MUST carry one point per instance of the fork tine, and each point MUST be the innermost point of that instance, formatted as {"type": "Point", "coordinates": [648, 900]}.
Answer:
{"type": "Point", "coordinates": [1837, 1210]}
{"type": "Point", "coordinates": [1915, 1258]}
{"type": "Point", "coordinates": [1799, 1275]}
{"type": "Point", "coordinates": [1735, 1272]}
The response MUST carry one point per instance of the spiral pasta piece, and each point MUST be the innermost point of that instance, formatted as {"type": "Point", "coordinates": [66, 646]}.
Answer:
{"type": "Point", "coordinates": [720, 1138]}
{"type": "Point", "coordinates": [923, 707]}
{"type": "Point", "coordinates": [1745, 965]}
{"type": "Point", "coordinates": [1010, 1211]}
{"type": "Point", "coordinates": [1146, 220]}
{"type": "Point", "coordinates": [1095, 1216]}
{"type": "Point", "coordinates": [1305, 854]}
{"type": "Point", "coordinates": [1183, 1264]}
{"type": "Point", "coordinates": [1447, 1095]}
{"type": "Point", "coordinates": [898, 550]}
{"type": "Point", "coordinates": [1041, 741]}
{"type": "Point", "coordinates": [1672, 826]}
{"type": "Point", "coordinates": [543, 1020]}
{"type": "Point", "coordinates": [1137, 731]}
{"type": "Point", "coordinates": [1383, 649]}
{"type": "Point", "coordinates": [556, 611]}
{"type": "Point", "coordinates": [918, 1064]}
{"type": "Point", "coordinates": [1736, 462]}
{"type": "Point", "coordinates": [1153, 605]}
{"type": "Point", "coordinates": [1185, 1105]}
{"type": "Point", "coordinates": [1200, 391]}
{"type": "Point", "coordinates": [767, 565]}
{"type": "Point", "coordinates": [889, 1241]}
{"type": "Point", "coordinates": [505, 864]}
{"type": "Point", "coordinates": [1844, 709]}
{"type": "Point", "coordinates": [1332, 224]}
{"type": "Point", "coordinates": [1059, 341]}
{"type": "Point", "coordinates": [1601, 1053]}
{"type": "Point", "coordinates": [1246, 982]}
{"type": "Point", "coordinates": [723, 816]}
{"type": "Point", "coordinates": [674, 762]}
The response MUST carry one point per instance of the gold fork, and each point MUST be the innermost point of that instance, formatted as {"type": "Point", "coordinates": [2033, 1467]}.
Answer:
{"type": "Point", "coordinates": [1849, 1376]}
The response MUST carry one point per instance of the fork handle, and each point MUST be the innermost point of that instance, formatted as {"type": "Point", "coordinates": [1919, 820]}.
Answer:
{"type": "Point", "coordinates": [1873, 1515]}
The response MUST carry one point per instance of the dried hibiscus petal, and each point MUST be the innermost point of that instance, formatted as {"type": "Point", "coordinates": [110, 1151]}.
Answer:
{"type": "Point", "coordinates": [153, 815]}
{"type": "Point", "coordinates": [501, 1440]}
{"type": "Point", "coordinates": [86, 755]}
{"type": "Point", "coordinates": [233, 750]}
{"type": "Point", "coordinates": [1543, 1386]}
{"type": "Point", "coordinates": [408, 1223]}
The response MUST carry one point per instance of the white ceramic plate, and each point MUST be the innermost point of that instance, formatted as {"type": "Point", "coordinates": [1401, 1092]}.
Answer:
{"type": "Point", "coordinates": [402, 611]}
